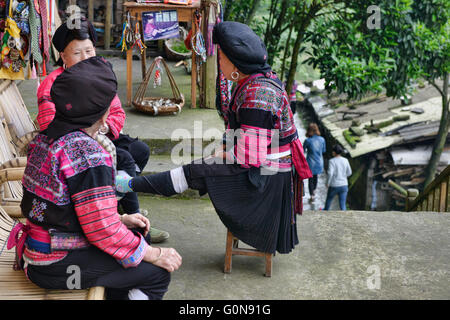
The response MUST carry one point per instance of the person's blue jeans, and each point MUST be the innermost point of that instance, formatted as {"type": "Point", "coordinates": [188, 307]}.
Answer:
{"type": "Point", "coordinates": [342, 194]}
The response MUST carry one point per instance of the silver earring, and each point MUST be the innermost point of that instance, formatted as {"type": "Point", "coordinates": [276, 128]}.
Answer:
{"type": "Point", "coordinates": [104, 129]}
{"type": "Point", "coordinates": [235, 75]}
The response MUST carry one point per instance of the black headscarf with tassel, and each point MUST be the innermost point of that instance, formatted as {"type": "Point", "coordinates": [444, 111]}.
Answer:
{"type": "Point", "coordinates": [82, 94]}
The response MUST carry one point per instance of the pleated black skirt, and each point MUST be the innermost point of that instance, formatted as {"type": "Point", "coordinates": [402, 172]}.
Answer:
{"type": "Point", "coordinates": [256, 208]}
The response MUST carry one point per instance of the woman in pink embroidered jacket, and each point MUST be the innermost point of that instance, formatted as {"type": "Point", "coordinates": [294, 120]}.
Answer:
{"type": "Point", "coordinates": [257, 192]}
{"type": "Point", "coordinates": [75, 45]}
{"type": "Point", "coordinates": [70, 203]}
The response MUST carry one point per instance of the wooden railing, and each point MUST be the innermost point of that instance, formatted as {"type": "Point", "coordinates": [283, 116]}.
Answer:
{"type": "Point", "coordinates": [435, 197]}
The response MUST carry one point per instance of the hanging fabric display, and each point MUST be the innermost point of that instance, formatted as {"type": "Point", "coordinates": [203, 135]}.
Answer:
{"type": "Point", "coordinates": [14, 42]}
{"type": "Point", "coordinates": [25, 28]}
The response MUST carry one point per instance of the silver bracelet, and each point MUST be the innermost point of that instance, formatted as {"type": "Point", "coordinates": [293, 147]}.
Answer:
{"type": "Point", "coordinates": [160, 254]}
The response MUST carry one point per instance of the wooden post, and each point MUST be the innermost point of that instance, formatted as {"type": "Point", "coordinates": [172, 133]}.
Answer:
{"type": "Point", "coordinates": [194, 68]}
{"type": "Point", "coordinates": [91, 10]}
{"type": "Point", "coordinates": [129, 76]}
{"type": "Point", "coordinates": [228, 253]}
{"type": "Point", "coordinates": [107, 39]}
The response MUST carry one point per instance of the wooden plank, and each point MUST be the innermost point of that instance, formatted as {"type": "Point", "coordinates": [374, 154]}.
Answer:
{"type": "Point", "coordinates": [248, 252]}
{"type": "Point", "coordinates": [437, 193]}
{"type": "Point", "coordinates": [430, 201]}
{"type": "Point", "coordinates": [443, 197]}
{"type": "Point", "coordinates": [448, 194]}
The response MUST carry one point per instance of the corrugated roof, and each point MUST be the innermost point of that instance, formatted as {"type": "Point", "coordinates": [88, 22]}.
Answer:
{"type": "Point", "coordinates": [417, 126]}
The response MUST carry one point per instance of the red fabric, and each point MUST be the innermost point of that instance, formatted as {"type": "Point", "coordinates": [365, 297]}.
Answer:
{"type": "Point", "coordinates": [299, 160]}
{"type": "Point", "coordinates": [46, 107]}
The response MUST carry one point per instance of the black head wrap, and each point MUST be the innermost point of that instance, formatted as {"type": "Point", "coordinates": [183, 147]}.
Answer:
{"type": "Point", "coordinates": [242, 46]}
{"type": "Point", "coordinates": [82, 94]}
{"type": "Point", "coordinates": [65, 34]}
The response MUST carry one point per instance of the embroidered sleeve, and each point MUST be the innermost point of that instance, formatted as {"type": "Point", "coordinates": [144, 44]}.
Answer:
{"type": "Point", "coordinates": [116, 118]}
{"type": "Point", "coordinates": [46, 107]}
{"type": "Point", "coordinates": [90, 182]}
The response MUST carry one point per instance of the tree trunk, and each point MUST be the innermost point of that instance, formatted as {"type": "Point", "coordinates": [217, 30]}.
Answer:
{"type": "Point", "coordinates": [295, 51]}
{"type": "Point", "coordinates": [273, 35]}
{"type": "Point", "coordinates": [251, 14]}
{"type": "Point", "coordinates": [305, 20]}
{"type": "Point", "coordinates": [286, 51]}
{"type": "Point", "coordinates": [441, 138]}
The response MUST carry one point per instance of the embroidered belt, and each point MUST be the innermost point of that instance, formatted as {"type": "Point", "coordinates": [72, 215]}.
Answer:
{"type": "Point", "coordinates": [59, 241]}
{"type": "Point", "coordinates": [66, 241]}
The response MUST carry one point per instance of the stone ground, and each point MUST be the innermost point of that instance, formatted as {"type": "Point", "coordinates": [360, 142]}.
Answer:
{"type": "Point", "coordinates": [341, 255]}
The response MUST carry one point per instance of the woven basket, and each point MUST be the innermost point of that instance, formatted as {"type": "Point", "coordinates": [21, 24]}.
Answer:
{"type": "Point", "coordinates": [143, 104]}
{"type": "Point", "coordinates": [173, 55]}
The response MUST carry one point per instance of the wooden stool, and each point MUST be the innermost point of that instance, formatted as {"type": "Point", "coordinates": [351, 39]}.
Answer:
{"type": "Point", "coordinates": [233, 249]}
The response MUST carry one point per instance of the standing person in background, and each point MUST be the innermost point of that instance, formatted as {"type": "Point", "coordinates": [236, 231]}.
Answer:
{"type": "Point", "coordinates": [293, 94]}
{"type": "Point", "coordinates": [338, 171]}
{"type": "Point", "coordinates": [315, 147]}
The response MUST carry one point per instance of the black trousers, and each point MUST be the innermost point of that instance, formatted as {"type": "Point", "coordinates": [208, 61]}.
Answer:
{"type": "Point", "coordinates": [97, 268]}
{"type": "Point", "coordinates": [293, 105]}
{"type": "Point", "coordinates": [131, 153]}
{"type": "Point", "coordinates": [312, 184]}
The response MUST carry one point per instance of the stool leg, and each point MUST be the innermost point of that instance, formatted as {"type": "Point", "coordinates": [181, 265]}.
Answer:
{"type": "Point", "coordinates": [268, 265]}
{"type": "Point", "coordinates": [235, 242]}
{"type": "Point", "coordinates": [228, 253]}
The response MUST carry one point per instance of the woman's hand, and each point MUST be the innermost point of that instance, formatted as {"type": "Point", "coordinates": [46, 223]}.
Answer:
{"type": "Point", "coordinates": [136, 220]}
{"type": "Point", "coordinates": [166, 258]}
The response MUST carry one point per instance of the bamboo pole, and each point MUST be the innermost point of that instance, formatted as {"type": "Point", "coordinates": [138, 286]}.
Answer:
{"type": "Point", "coordinates": [398, 188]}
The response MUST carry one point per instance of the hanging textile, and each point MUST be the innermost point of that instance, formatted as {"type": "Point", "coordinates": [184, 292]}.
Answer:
{"type": "Point", "coordinates": [35, 26]}
{"type": "Point", "coordinates": [44, 31]}
{"type": "Point", "coordinates": [14, 45]}
{"type": "Point", "coordinates": [212, 19]}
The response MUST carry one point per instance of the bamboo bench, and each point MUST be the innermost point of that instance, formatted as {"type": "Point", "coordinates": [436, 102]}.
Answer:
{"type": "Point", "coordinates": [15, 286]}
